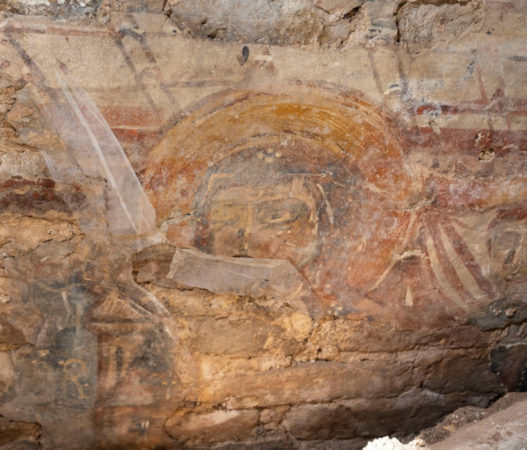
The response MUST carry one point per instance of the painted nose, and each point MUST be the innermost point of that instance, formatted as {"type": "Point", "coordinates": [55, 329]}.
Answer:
{"type": "Point", "coordinates": [241, 244]}
{"type": "Point", "coordinates": [246, 231]}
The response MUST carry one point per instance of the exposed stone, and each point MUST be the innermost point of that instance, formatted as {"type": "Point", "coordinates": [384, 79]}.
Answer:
{"type": "Point", "coordinates": [325, 22]}
{"type": "Point", "coordinates": [503, 428]}
{"type": "Point", "coordinates": [7, 373]}
{"type": "Point", "coordinates": [152, 265]}
{"type": "Point", "coordinates": [28, 233]}
{"type": "Point", "coordinates": [262, 21]}
{"type": "Point", "coordinates": [511, 364]}
{"type": "Point", "coordinates": [287, 386]}
{"type": "Point", "coordinates": [230, 336]}
{"type": "Point", "coordinates": [365, 419]}
{"type": "Point", "coordinates": [501, 313]}
{"type": "Point", "coordinates": [425, 24]}
{"type": "Point", "coordinates": [26, 162]}
{"type": "Point", "coordinates": [273, 417]}
{"type": "Point", "coordinates": [338, 7]}
{"type": "Point", "coordinates": [298, 326]}
{"type": "Point", "coordinates": [216, 426]}
{"type": "Point", "coordinates": [244, 276]}
{"type": "Point", "coordinates": [10, 337]}
{"type": "Point", "coordinates": [478, 375]}
{"type": "Point", "coordinates": [19, 434]}
{"type": "Point", "coordinates": [57, 8]}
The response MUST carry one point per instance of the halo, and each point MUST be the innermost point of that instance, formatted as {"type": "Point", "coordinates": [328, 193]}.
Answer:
{"type": "Point", "coordinates": [338, 122]}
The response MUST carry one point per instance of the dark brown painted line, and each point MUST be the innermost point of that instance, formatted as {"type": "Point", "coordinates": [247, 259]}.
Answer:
{"type": "Point", "coordinates": [118, 42]}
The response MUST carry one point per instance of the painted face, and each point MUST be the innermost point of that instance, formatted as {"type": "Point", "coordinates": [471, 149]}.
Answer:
{"type": "Point", "coordinates": [278, 221]}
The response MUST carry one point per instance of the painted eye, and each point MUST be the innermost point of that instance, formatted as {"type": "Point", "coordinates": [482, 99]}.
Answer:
{"type": "Point", "coordinates": [281, 212]}
{"type": "Point", "coordinates": [280, 216]}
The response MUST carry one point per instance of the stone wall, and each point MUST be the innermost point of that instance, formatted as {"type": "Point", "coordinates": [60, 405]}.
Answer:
{"type": "Point", "coordinates": [285, 224]}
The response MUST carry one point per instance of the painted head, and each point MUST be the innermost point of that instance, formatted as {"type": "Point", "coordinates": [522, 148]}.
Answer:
{"type": "Point", "coordinates": [266, 201]}
{"type": "Point", "coordinates": [310, 175]}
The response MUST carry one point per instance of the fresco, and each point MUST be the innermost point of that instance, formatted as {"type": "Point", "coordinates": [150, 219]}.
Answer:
{"type": "Point", "coordinates": [320, 178]}
{"type": "Point", "coordinates": [285, 177]}
{"type": "Point", "coordinates": [237, 235]}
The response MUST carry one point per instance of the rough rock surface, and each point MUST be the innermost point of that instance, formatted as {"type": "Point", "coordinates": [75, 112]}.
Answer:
{"type": "Point", "coordinates": [504, 429]}
{"type": "Point", "coordinates": [501, 425]}
{"type": "Point", "coordinates": [340, 243]}
{"type": "Point", "coordinates": [466, 415]}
